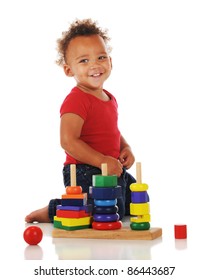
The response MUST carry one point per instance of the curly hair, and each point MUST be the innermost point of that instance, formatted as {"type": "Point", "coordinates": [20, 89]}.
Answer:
{"type": "Point", "coordinates": [85, 27]}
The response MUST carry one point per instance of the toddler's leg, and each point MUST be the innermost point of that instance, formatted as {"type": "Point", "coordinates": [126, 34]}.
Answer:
{"type": "Point", "coordinates": [129, 180]}
{"type": "Point", "coordinates": [125, 180]}
{"type": "Point", "coordinates": [45, 214]}
{"type": "Point", "coordinates": [40, 216]}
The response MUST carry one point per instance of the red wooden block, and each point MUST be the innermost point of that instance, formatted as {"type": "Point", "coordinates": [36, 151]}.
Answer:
{"type": "Point", "coordinates": [72, 214]}
{"type": "Point", "coordinates": [180, 231]}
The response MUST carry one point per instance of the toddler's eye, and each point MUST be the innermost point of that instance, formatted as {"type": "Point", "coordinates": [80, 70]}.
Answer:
{"type": "Point", "coordinates": [102, 57]}
{"type": "Point", "coordinates": [84, 60]}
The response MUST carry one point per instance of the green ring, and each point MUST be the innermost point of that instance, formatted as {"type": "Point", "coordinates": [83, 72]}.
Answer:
{"type": "Point", "coordinates": [104, 181]}
{"type": "Point", "coordinates": [140, 226]}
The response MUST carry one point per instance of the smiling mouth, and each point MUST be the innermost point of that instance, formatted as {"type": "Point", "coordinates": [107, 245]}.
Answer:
{"type": "Point", "coordinates": [96, 75]}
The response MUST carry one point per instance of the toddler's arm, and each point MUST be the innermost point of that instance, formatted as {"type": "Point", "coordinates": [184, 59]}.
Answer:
{"type": "Point", "coordinates": [70, 131]}
{"type": "Point", "coordinates": [126, 156]}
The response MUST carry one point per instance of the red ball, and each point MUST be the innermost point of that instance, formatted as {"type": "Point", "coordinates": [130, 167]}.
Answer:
{"type": "Point", "coordinates": [33, 235]}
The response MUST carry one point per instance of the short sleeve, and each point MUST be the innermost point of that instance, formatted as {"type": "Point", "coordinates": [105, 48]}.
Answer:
{"type": "Point", "coordinates": [77, 103]}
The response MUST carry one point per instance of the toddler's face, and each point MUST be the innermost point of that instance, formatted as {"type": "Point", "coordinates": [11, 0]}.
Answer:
{"type": "Point", "coordinates": [88, 61]}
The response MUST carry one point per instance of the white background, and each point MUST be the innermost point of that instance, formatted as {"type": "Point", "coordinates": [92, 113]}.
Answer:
{"type": "Point", "coordinates": [160, 71]}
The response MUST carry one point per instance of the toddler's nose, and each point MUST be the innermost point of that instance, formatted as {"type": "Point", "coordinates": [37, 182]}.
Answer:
{"type": "Point", "coordinates": [93, 63]}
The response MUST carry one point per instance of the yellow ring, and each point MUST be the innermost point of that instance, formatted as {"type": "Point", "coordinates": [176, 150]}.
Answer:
{"type": "Point", "coordinates": [136, 187]}
{"type": "Point", "coordinates": [141, 219]}
{"type": "Point", "coordinates": [138, 209]}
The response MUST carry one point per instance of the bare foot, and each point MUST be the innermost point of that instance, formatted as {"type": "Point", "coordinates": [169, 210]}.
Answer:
{"type": "Point", "coordinates": [40, 216]}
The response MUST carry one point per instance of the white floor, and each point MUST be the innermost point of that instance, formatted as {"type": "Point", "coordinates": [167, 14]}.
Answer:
{"type": "Point", "coordinates": [187, 256]}
{"type": "Point", "coordinates": [162, 248]}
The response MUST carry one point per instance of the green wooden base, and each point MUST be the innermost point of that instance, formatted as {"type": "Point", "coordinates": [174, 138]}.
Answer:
{"type": "Point", "coordinates": [58, 224]}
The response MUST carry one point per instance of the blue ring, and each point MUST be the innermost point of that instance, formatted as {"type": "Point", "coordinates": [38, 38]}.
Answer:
{"type": "Point", "coordinates": [105, 210]}
{"type": "Point", "coordinates": [99, 202]}
{"type": "Point", "coordinates": [106, 217]}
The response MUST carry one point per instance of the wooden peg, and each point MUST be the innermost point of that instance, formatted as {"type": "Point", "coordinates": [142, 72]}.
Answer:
{"type": "Point", "coordinates": [104, 169]}
{"type": "Point", "coordinates": [138, 172]}
{"type": "Point", "coordinates": [73, 175]}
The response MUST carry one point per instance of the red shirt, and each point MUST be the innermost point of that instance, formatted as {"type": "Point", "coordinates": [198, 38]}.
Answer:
{"type": "Point", "coordinates": [100, 129]}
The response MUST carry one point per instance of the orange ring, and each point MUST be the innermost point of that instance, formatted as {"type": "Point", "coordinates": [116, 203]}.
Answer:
{"type": "Point", "coordinates": [74, 190]}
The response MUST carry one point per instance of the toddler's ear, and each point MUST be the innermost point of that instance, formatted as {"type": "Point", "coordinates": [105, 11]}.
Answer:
{"type": "Point", "coordinates": [111, 62]}
{"type": "Point", "coordinates": [68, 71]}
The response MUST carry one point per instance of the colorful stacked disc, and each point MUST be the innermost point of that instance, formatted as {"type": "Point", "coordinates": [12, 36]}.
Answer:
{"type": "Point", "coordinates": [139, 206]}
{"type": "Point", "coordinates": [105, 193]}
{"type": "Point", "coordinates": [73, 213]}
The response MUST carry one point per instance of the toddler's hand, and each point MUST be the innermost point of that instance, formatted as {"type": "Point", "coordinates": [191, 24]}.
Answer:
{"type": "Point", "coordinates": [114, 166]}
{"type": "Point", "coordinates": [126, 157]}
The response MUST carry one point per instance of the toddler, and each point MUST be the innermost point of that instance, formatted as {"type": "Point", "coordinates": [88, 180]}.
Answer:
{"type": "Point", "coordinates": [89, 132]}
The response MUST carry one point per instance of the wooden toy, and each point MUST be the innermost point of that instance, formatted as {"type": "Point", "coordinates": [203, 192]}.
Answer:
{"type": "Point", "coordinates": [140, 226]}
{"type": "Point", "coordinates": [180, 231]}
{"type": "Point", "coordinates": [112, 230]}
{"type": "Point", "coordinates": [124, 233]}
{"type": "Point", "coordinates": [72, 222]}
{"type": "Point", "coordinates": [106, 217]}
{"type": "Point", "coordinates": [104, 180]}
{"type": "Point", "coordinates": [73, 177]}
{"type": "Point", "coordinates": [73, 213]}
{"type": "Point", "coordinates": [106, 210]}
{"type": "Point", "coordinates": [139, 205]}
{"type": "Point", "coordinates": [105, 202]}
{"type": "Point", "coordinates": [138, 186]}
{"type": "Point", "coordinates": [139, 209]}
{"type": "Point", "coordinates": [86, 208]}
{"type": "Point", "coordinates": [73, 202]}
{"type": "Point", "coordinates": [139, 197]}
{"type": "Point", "coordinates": [140, 218]}
{"type": "Point", "coordinates": [58, 225]}
{"type": "Point", "coordinates": [72, 196]}
{"type": "Point", "coordinates": [74, 190]}
{"type": "Point", "coordinates": [105, 193]}
{"type": "Point", "coordinates": [107, 225]}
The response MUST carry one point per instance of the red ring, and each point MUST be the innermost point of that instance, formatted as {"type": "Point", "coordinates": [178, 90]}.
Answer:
{"type": "Point", "coordinates": [107, 226]}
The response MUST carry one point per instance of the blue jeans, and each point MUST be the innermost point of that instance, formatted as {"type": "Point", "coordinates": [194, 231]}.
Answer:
{"type": "Point", "coordinates": [84, 173]}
